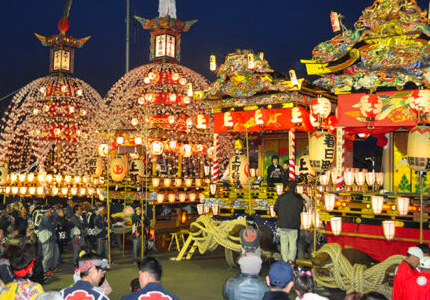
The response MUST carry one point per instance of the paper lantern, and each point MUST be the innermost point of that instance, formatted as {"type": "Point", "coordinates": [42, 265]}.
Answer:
{"type": "Point", "coordinates": [30, 177]}
{"type": "Point", "coordinates": [210, 154]}
{"type": "Point", "coordinates": [329, 201]}
{"type": "Point", "coordinates": [167, 182]}
{"type": "Point", "coordinates": [192, 197]}
{"type": "Point", "coordinates": [299, 189]}
{"type": "Point", "coordinates": [118, 169]}
{"type": "Point", "coordinates": [325, 178]}
{"type": "Point", "coordinates": [252, 172]}
{"type": "Point", "coordinates": [377, 204]}
{"type": "Point", "coordinates": [23, 190]}
{"type": "Point", "coordinates": [379, 178]}
{"type": "Point", "coordinates": [348, 176]}
{"type": "Point", "coordinates": [272, 211]}
{"type": "Point", "coordinates": [188, 182]}
{"type": "Point", "coordinates": [206, 209]}
{"type": "Point", "coordinates": [74, 191]}
{"type": "Point", "coordinates": [13, 177]}
{"type": "Point", "coordinates": [99, 167]}
{"type": "Point", "coordinates": [77, 179]}
{"type": "Point", "coordinates": [40, 190]}
{"type": "Point", "coordinates": [138, 140]}
{"type": "Point", "coordinates": [41, 178]}
{"type": "Point", "coordinates": [239, 170]}
{"type": "Point", "coordinates": [215, 209]}
{"type": "Point", "coordinates": [186, 150]}
{"type": "Point", "coordinates": [64, 190]}
{"type": "Point", "coordinates": [316, 222]}
{"type": "Point", "coordinates": [402, 205]}
{"type": "Point", "coordinates": [279, 188]}
{"type": "Point", "coordinates": [82, 191]}
{"type": "Point", "coordinates": [389, 228]}
{"type": "Point", "coordinates": [201, 197]}
{"type": "Point", "coordinates": [320, 108]}
{"type": "Point", "coordinates": [157, 148]}
{"type": "Point", "coordinates": [200, 208]}
{"type": "Point", "coordinates": [359, 178]}
{"type": "Point", "coordinates": [15, 190]}
{"type": "Point", "coordinates": [178, 182]}
{"type": "Point", "coordinates": [306, 218]}
{"type": "Point", "coordinates": [370, 106]}
{"type": "Point", "coordinates": [171, 198]}
{"type": "Point", "coordinates": [419, 148]}
{"type": "Point", "coordinates": [335, 21]}
{"type": "Point", "coordinates": [182, 197]}
{"type": "Point", "coordinates": [321, 150]}
{"type": "Point", "coordinates": [68, 178]}
{"type": "Point", "coordinates": [49, 178]}
{"type": "Point", "coordinates": [137, 168]}
{"type": "Point", "coordinates": [370, 178]}
{"type": "Point", "coordinates": [333, 174]}
{"type": "Point", "coordinates": [58, 178]}
{"type": "Point", "coordinates": [201, 121]}
{"type": "Point", "coordinates": [212, 188]}
{"type": "Point", "coordinates": [173, 145]}
{"type": "Point", "coordinates": [198, 182]}
{"type": "Point", "coordinates": [103, 150]}
{"type": "Point", "coordinates": [3, 175]}
{"type": "Point", "coordinates": [336, 225]}
{"type": "Point", "coordinates": [22, 177]}
{"type": "Point", "coordinates": [160, 198]}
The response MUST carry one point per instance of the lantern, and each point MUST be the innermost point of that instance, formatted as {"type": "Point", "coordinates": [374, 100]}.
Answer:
{"type": "Point", "coordinates": [64, 190]}
{"type": "Point", "coordinates": [377, 204]}
{"type": "Point", "coordinates": [167, 182]}
{"type": "Point", "coordinates": [325, 178]}
{"type": "Point", "coordinates": [419, 148]}
{"type": "Point", "coordinates": [329, 201]}
{"type": "Point", "coordinates": [82, 191]}
{"type": "Point", "coordinates": [160, 198]}
{"type": "Point", "coordinates": [137, 168]}
{"type": "Point", "coordinates": [186, 150]}
{"type": "Point", "coordinates": [41, 177]}
{"type": "Point", "coordinates": [178, 182]}
{"type": "Point", "coordinates": [321, 150]}
{"type": "Point", "coordinates": [389, 228]}
{"type": "Point", "coordinates": [15, 190]}
{"type": "Point", "coordinates": [138, 140]}
{"type": "Point", "coordinates": [272, 211]}
{"type": "Point", "coordinates": [182, 197]}
{"type": "Point", "coordinates": [200, 208]}
{"type": "Point", "coordinates": [359, 178]}
{"type": "Point", "coordinates": [73, 191]}
{"type": "Point", "coordinates": [336, 225]}
{"type": "Point", "coordinates": [201, 121]}
{"type": "Point", "coordinates": [173, 145]}
{"type": "Point", "coordinates": [239, 170]}
{"type": "Point", "coordinates": [299, 189]}
{"type": "Point", "coordinates": [77, 179]}
{"type": "Point", "coordinates": [99, 167]}
{"type": "Point", "coordinates": [49, 178]}
{"type": "Point", "coordinates": [190, 92]}
{"type": "Point", "coordinates": [192, 197]}
{"type": "Point", "coordinates": [30, 177]}
{"type": "Point", "coordinates": [348, 177]}
{"type": "Point", "coordinates": [183, 217]}
{"type": "Point", "coordinates": [171, 198]}
{"type": "Point", "coordinates": [68, 178]}
{"type": "Point", "coordinates": [212, 188]}
{"type": "Point", "coordinates": [103, 150]}
{"type": "Point", "coordinates": [306, 218]}
{"type": "Point", "coordinates": [215, 209]}
{"type": "Point", "coordinates": [23, 190]}
{"type": "Point", "coordinates": [58, 178]}
{"type": "Point", "coordinates": [402, 205]}
{"type": "Point", "coordinates": [210, 153]}
{"type": "Point", "coordinates": [3, 175]}
{"type": "Point", "coordinates": [370, 178]}
{"type": "Point", "coordinates": [118, 169]}
{"type": "Point", "coordinates": [379, 178]}
{"type": "Point", "coordinates": [252, 172]}
{"type": "Point", "coordinates": [370, 106]}
{"type": "Point", "coordinates": [157, 148]}
{"type": "Point", "coordinates": [198, 182]}
{"type": "Point", "coordinates": [201, 197]}
{"type": "Point", "coordinates": [22, 177]}
{"type": "Point", "coordinates": [206, 209]}
{"type": "Point", "coordinates": [320, 108]}
{"type": "Point", "coordinates": [40, 190]}
{"type": "Point", "coordinates": [279, 188]}
{"type": "Point", "coordinates": [315, 218]}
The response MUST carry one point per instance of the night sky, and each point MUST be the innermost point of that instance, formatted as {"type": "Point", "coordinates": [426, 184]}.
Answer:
{"type": "Point", "coordinates": [285, 30]}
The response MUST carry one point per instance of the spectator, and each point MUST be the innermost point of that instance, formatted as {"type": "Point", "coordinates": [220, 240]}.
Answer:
{"type": "Point", "coordinates": [134, 285]}
{"type": "Point", "coordinates": [406, 270]}
{"type": "Point", "coordinates": [22, 288]}
{"type": "Point", "coordinates": [136, 232]}
{"type": "Point", "coordinates": [91, 270]}
{"type": "Point", "coordinates": [78, 232]}
{"type": "Point", "coordinates": [248, 285]}
{"type": "Point", "coordinates": [21, 222]}
{"type": "Point", "coordinates": [418, 286]}
{"type": "Point", "coordinates": [288, 208]}
{"type": "Point", "coordinates": [49, 296]}
{"type": "Point", "coordinates": [150, 271]}
{"type": "Point", "coordinates": [101, 232]}
{"type": "Point", "coordinates": [304, 288]}
{"type": "Point", "coordinates": [280, 281]}
{"type": "Point", "coordinates": [250, 237]}
{"type": "Point", "coordinates": [6, 274]}
{"type": "Point", "coordinates": [47, 241]}
{"type": "Point", "coordinates": [425, 248]}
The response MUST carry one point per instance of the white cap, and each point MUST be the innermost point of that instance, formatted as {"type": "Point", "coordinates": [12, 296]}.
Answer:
{"type": "Point", "coordinates": [425, 262]}
{"type": "Point", "coordinates": [415, 251]}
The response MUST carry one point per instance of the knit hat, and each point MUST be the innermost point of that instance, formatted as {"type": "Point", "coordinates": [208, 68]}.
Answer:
{"type": "Point", "coordinates": [250, 264]}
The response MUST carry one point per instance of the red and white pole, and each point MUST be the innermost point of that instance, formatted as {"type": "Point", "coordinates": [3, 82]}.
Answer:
{"type": "Point", "coordinates": [340, 158]}
{"type": "Point", "coordinates": [292, 155]}
{"type": "Point", "coordinates": [215, 167]}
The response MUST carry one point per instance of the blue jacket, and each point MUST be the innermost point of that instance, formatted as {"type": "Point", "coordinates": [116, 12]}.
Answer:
{"type": "Point", "coordinates": [47, 224]}
{"type": "Point", "coordinates": [82, 290]}
{"type": "Point", "coordinates": [245, 286]}
{"type": "Point", "coordinates": [153, 290]}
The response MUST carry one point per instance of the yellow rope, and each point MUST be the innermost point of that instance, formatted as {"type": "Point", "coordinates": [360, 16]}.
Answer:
{"type": "Point", "coordinates": [208, 233]}
{"type": "Point", "coordinates": [356, 277]}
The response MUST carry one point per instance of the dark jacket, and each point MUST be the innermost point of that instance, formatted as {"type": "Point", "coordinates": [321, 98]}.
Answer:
{"type": "Point", "coordinates": [6, 274]}
{"type": "Point", "coordinates": [82, 290]}
{"type": "Point", "coordinates": [276, 295]}
{"type": "Point", "coordinates": [151, 291]}
{"type": "Point", "coordinates": [275, 174]}
{"type": "Point", "coordinates": [244, 287]}
{"type": "Point", "coordinates": [288, 208]}
{"type": "Point", "coordinates": [100, 227]}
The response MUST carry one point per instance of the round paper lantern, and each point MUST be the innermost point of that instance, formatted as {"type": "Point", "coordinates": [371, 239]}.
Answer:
{"type": "Point", "coordinates": [157, 148]}
{"type": "Point", "coordinates": [3, 175]}
{"type": "Point", "coordinates": [370, 106]}
{"type": "Point", "coordinates": [420, 101]}
{"type": "Point", "coordinates": [211, 152]}
{"type": "Point", "coordinates": [186, 150]}
{"type": "Point", "coordinates": [321, 150]}
{"type": "Point", "coordinates": [118, 169]}
{"type": "Point", "coordinates": [103, 150]}
{"type": "Point", "coordinates": [321, 108]}
{"type": "Point", "coordinates": [419, 148]}
{"type": "Point", "coordinates": [239, 170]}
{"type": "Point", "coordinates": [99, 167]}
{"type": "Point", "coordinates": [137, 168]}
{"type": "Point", "coordinates": [202, 121]}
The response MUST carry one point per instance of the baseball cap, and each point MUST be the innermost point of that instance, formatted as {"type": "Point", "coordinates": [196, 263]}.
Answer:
{"type": "Point", "coordinates": [280, 274]}
{"type": "Point", "coordinates": [415, 251]}
{"type": "Point", "coordinates": [250, 264]}
{"type": "Point", "coordinates": [425, 262]}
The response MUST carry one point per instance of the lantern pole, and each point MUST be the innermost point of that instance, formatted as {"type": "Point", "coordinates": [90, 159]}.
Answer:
{"type": "Point", "coordinates": [315, 212]}
{"type": "Point", "coordinates": [421, 174]}
{"type": "Point", "coordinates": [108, 200]}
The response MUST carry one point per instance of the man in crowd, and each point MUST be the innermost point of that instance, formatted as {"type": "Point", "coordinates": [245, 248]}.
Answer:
{"type": "Point", "coordinates": [418, 286]}
{"type": "Point", "coordinates": [47, 240]}
{"type": "Point", "coordinates": [406, 270]}
{"type": "Point", "coordinates": [136, 232]}
{"type": "Point", "coordinates": [91, 268]}
{"type": "Point", "coordinates": [250, 237]}
{"type": "Point", "coordinates": [275, 173]}
{"type": "Point", "coordinates": [101, 232]}
{"type": "Point", "coordinates": [280, 281]}
{"type": "Point", "coordinates": [288, 208]}
{"type": "Point", "coordinates": [248, 285]}
{"type": "Point", "coordinates": [78, 231]}
{"type": "Point", "coordinates": [150, 271]}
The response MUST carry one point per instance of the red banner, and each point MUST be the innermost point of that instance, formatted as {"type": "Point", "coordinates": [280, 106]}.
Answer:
{"type": "Point", "coordinates": [263, 119]}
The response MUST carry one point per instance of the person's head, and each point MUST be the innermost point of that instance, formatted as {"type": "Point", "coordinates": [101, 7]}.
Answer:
{"type": "Point", "coordinates": [374, 296]}
{"type": "Point", "coordinates": [24, 211]}
{"type": "Point", "coordinates": [92, 268]}
{"type": "Point", "coordinates": [285, 165]}
{"type": "Point", "coordinates": [101, 211]}
{"type": "Point", "coordinates": [22, 263]}
{"type": "Point", "coordinates": [291, 186]}
{"type": "Point", "coordinates": [134, 285]}
{"type": "Point", "coordinates": [353, 296]}
{"type": "Point", "coordinates": [303, 284]}
{"type": "Point", "coordinates": [49, 296]}
{"type": "Point", "coordinates": [86, 206]}
{"type": "Point", "coordinates": [425, 248]}
{"type": "Point", "coordinates": [150, 270]}
{"type": "Point", "coordinates": [46, 210]}
{"type": "Point", "coordinates": [60, 212]}
{"type": "Point", "coordinates": [414, 255]}
{"type": "Point", "coordinates": [10, 252]}
{"type": "Point", "coordinates": [1, 233]}
{"type": "Point", "coordinates": [250, 264]}
{"type": "Point", "coordinates": [280, 277]}
{"type": "Point", "coordinates": [138, 210]}
{"type": "Point", "coordinates": [77, 210]}
{"type": "Point", "coordinates": [275, 159]}
{"type": "Point", "coordinates": [70, 202]}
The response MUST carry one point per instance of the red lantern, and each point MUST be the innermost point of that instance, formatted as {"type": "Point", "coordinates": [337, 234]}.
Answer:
{"type": "Point", "coordinates": [201, 121]}
{"type": "Point", "coordinates": [157, 148]}
{"type": "Point", "coordinates": [321, 108]}
{"type": "Point", "coordinates": [370, 106]}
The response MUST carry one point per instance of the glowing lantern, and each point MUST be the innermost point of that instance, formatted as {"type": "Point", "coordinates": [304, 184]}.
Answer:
{"type": "Point", "coordinates": [3, 175]}
{"type": "Point", "coordinates": [7, 190]}
{"type": "Point", "coordinates": [321, 150]}
{"type": "Point", "coordinates": [379, 178]}
{"type": "Point", "coordinates": [186, 150]}
{"type": "Point", "coordinates": [103, 150]}
{"type": "Point", "coordinates": [155, 182]}
{"type": "Point", "coordinates": [206, 209]}
{"type": "Point", "coordinates": [377, 204]}
{"type": "Point", "coordinates": [171, 119]}
{"type": "Point", "coordinates": [68, 178]}
{"type": "Point", "coordinates": [212, 188]}
{"type": "Point", "coordinates": [40, 190]}
{"type": "Point", "coordinates": [329, 201]}
{"type": "Point", "coordinates": [82, 191]}
{"type": "Point", "coordinates": [160, 198]}
{"type": "Point", "coordinates": [55, 191]}
{"type": "Point", "coordinates": [212, 63]}
{"type": "Point", "coordinates": [336, 225]}
{"type": "Point", "coordinates": [189, 123]}
{"type": "Point", "coordinates": [211, 152]}
{"type": "Point", "coordinates": [77, 179]}
{"type": "Point", "coordinates": [200, 208]}
{"type": "Point", "coordinates": [23, 190]}
{"type": "Point", "coordinates": [90, 191]}
{"type": "Point", "coordinates": [402, 205]}
{"type": "Point", "coordinates": [173, 145]}
{"type": "Point", "coordinates": [157, 148]}
{"type": "Point", "coordinates": [299, 189]}
{"type": "Point", "coordinates": [13, 177]}
{"type": "Point", "coordinates": [137, 168]}
{"type": "Point", "coordinates": [167, 182]}
{"type": "Point", "coordinates": [22, 177]}
{"type": "Point", "coordinates": [359, 178]}
{"type": "Point", "coordinates": [178, 181]}
{"type": "Point", "coordinates": [58, 178]}
{"type": "Point", "coordinates": [198, 182]}
{"type": "Point", "coordinates": [172, 98]}
{"type": "Point", "coordinates": [73, 191]}
{"type": "Point", "coordinates": [239, 170]}
{"type": "Point", "coordinates": [175, 76]}
{"type": "Point", "coordinates": [419, 148]}
{"type": "Point", "coordinates": [192, 197]}
{"type": "Point", "coordinates": [134, 121]}
{"type": "Point", "coordinates": [138, 140]}
{"type": "Point", "coordinates": [30, 177]}
{"type": "Point", "coordinates": [99, 167]}
{"type": "Point", "coordinates": [320, 108]}
{"type": "Point", "coordinates": [49, 178]}
{"type": "Point", "coordinates": [201, 121]}
{"type": "Point", "coordinates": [171, 198]}
{"type": "Point", "coordinates": [64, 191]}
{"type": "Point", "coordinates": [15, 190]}
{"type": "Point", "coordinates": [41, 177]}
{"type": "Point", "coordinates": [348, 177]}
{"type": "Point", "coordinates": [389, 228]}
{"type": "Point", "coordinates": [188, 182]}
{"type": "Point", "coordinates": [118, 169]}
{"type": "Point", "coordinates": [85, 179]}
{"type": "Point", "coordinates": [306, 218]}
{"type": "Point", "coordinates": [370, 106]}
{"type": "Point", "coordinates": [201, 197]}
{"type": "Point", "coordinates": [325, 178]}
{"type": "Point", "coordinates": [182, 197]}
{"type": "Point", "coordinates": [272, 211]}
{"type": "Point", "coordinates": [215, 209]}
{"type": "Point", "coordinates": [370, 178]}
{"type": "Point", "coordinates": [120, 140]}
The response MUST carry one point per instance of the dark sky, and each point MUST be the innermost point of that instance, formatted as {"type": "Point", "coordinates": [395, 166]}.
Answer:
{"type": "Point", "coordinates": [285, 30]}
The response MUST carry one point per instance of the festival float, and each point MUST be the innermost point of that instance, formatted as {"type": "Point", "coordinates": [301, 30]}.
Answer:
{"type": "Point", "coordinates": [379, 71]}
{"type": "Point", "coordinates": [49, 130]}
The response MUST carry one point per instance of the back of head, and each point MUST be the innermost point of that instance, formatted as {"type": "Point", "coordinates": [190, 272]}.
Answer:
{"type": "Point", "coordinates": [89, 260]}
{"type": "Point", "coordinates": [22, 263]}
{"type": "Point", "coordinates": [425, 248]}
{"type": "Point", "coordinates": [291, 186]}
{"type": "Point", "coordinates": [353, 296]}
{"type": "Point", "coordinates": [49, 296]}
{"type": "Point", "coordinates": [250, 264]}
{"type": "Point", "coordinates": [11, 251]}
{"type": "Point", "coordinates": [304, 284]}
{"type": "Point", "coordinates": [374, 296]}
{"type": "Point", "coordinates": [152, 266]}
{"type": "Point", "coordinates": [280, 274]}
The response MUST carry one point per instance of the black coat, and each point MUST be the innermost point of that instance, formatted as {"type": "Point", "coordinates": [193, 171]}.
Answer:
{"type": "Point", "coordinates": [288, 208]}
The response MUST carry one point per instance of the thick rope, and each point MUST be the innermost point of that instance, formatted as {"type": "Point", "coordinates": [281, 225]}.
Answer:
{"type": "Point", "coordinates": [356, 277]}
{"type": "Point", "coordinates": [208, 234]}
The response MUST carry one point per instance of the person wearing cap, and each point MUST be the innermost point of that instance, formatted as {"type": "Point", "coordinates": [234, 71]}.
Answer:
{"type": "Point", "coordinates": [150, 271]}
{"type": "Point", "coordinates": [136, 232]}
{"type": "Point", "coordinates": [248, 285]}
{"type": "Point", "coordinates": [407, 269]}
{"type": "Point", "coordinates": [91, 271]}
{"type": "Point", "coordinates": [275, 173]}
{"type": "Point", "coordinates": [288, 208]}
{"type": "Point", "coordinates": [78, 231]}
{"type": "Point", "coordinates": [280, 281]}
{"type": "Point", "coordinates": [100, 231]}
{"type": "Point", "coordinates": [250, 237]}
{"type": "Point", "coordinates": [418, 286]}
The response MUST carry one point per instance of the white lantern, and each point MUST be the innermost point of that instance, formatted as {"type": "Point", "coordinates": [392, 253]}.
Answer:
{"type": "Point", "coordinates": [212, 188]}
{"type": "Point", "coordinates": [103, 150]}
{"type": "Point", "coordinates": [349, 178]}
{"type": "Point", "coordinates": [325, 178]}
{"type": "Point", "coordinates": [77, 179]}
{"type": "Point", "coordinates": [299, 189]}
{"type": "Point", "coordinates": [370, 178]}
{"type": "Point", "coordinates": [171, 198]}
{"type": "Point", "coordinates": [379, 178]}
{"type": "Point", "coordinates": [40, 190]}
{"type": "Point", "coordinates": [192, 197]}
{"type": "Point", "coordinates": [329, 201]}
{"type": "Point", "coordinates": [58, 178]}
{"type": "Point", "coordinates": [55, 191]}
{"type": "Point", "coordinates": [167, 182]}
{"type": "Point", "coordinates": [13, 177]}
{"type": "Point", "coordinates": [68, 178]}
{"type": "Point", "coordinates": [182, 197]}
{"type": "Point", "coordinates": [206, 209]}
{"type": "Point", "coordinates": [188, 182]}
{"type": "Point", "coordinates": [82, 191]}
{"type": "Point", "coordinates": [15, 190]}
{"type": "Point", "coordinates": [198, 182]}
{"type": "Point", "coordinates": [178, 182]}
{"type": "Point", "coordinates": [155, 182]}
{"type": "Point", "coordinates": [41, 177]}
{"type": "Point", "coordinates": [157, 148]}
{"type": "Point", "coordinates": [215, 209]}
{"type": "Point", "coordinates": [30, 177]}
{"type": "Point", "coordinates": [138, 140]}
{"type": "Point", "coordinates": [316, 222]}
{"type": "Point", "coordinates": [336, 225]}
{"type": "Point", "coordinates": [22, 177]}
{"type": "Point", "coordinates": [321, 150]}
{"type": "Point", "coordinates": [74, 191]}
{"type": "Point", "coordinates": [333, 174]}
{"type": "Point", "coordinates": [389, 228]}
{"type": "Point", "coordinates": [85, 179]}
{"type": "Point", "coordinates": [402, 205]}
{"type": "Point", "coordinates": [359, 178]}
{"type": "Point", "coordinates": [377, 204]}
{"type": "Point", "coordinates": [120, 140]}
{"type": "Point", "coordinates": [200, 208]}
{"type": "Point", "coordinates": [32, 190]}
{"type": "Point", "coordinates": [306, 218]}
{"type": "Point", "coordinates": [23, 190]}
{"type": "Point", "coordinates": [419, 148]}
{"type": "Point", "coordinates": [186, 150]}
{"type": "Point", "coordinates": [252, 172]}
{"type": "Point", "coordinates": [160, 198]}
{"type": "Point", "coordinates": [64, 190]}
{"type": "Point", "coordinates": [321, 107]}
{"type": "Point", "coordinates": [207, 170]}
{"type": "Point", "coordinates": [279, 188]}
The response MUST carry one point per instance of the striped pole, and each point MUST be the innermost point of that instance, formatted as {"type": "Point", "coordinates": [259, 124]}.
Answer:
{"type": "Point", "coordinates": [340, 158]}
{"type": "Point", "coordinates": [292, 154]}
{"type": "Point", "coordinates": [215, 167]}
